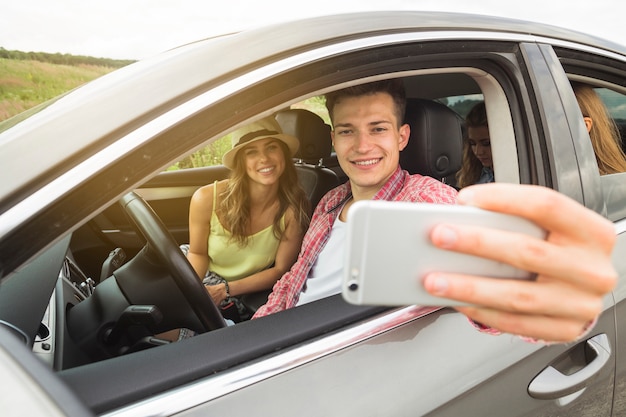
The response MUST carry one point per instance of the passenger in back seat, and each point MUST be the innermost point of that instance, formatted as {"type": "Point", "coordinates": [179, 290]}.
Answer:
{"type": "Point", "coordinates": [477, 166]}
{"type": "Point", "coordinates": [603, 131]}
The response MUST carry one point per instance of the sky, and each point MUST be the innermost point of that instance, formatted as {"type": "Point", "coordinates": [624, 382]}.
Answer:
{"type": "Point", "coordinates": [137, 29]}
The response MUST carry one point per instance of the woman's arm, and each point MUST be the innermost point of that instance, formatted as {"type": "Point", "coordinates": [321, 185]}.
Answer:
{"type": "Point", "coordinates": [200, 210]}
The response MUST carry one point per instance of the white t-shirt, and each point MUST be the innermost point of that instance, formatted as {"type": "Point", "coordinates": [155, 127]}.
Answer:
{"type": "Point", "coordinates": [326, 274]}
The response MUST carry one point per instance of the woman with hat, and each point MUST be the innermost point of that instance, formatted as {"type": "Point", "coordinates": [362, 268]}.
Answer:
{"type": "Point", "coordinates": [245, 232]}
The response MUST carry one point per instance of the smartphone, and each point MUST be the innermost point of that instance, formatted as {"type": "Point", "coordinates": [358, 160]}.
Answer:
{"type": "Point", "coordinates": [389, 250]}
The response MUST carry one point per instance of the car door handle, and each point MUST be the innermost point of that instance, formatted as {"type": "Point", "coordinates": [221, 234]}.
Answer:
{"type": "Point", "coordinates": [552, 384]}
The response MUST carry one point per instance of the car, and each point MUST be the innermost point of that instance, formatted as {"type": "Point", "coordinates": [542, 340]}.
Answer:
{"type": "Point", "coordinates": [91, 220]}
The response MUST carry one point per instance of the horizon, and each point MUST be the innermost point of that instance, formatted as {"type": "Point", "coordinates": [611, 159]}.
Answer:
{"type": "Point", "coordinates": [136, 30]}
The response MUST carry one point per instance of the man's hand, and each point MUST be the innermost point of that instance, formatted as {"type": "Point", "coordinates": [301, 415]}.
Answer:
{"type": "Point", "coordinates": [573, 264]}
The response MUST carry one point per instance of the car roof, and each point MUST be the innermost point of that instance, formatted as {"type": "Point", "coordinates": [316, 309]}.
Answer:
{"type": "Point", "coordinates": [45, 145]}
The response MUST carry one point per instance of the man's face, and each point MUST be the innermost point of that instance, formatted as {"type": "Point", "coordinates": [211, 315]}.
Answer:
{"type": "Point", "coordinates": [368, 141]}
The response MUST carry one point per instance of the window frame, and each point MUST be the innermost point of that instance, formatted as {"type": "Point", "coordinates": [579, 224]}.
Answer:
{"type": "Point", "coordinates": [605, 72]}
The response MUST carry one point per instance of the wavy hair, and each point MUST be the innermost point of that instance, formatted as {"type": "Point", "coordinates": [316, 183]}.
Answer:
{"type": "Point", "coordinates": [604, 134]}
{"type": "Point", "coordinates": [234, 205]}
{"type": "Point", "coordinates": [471, 166]}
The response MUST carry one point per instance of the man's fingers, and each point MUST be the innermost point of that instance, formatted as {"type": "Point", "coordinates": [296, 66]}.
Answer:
{"type": "Point", "coordinates": [516, 296]}
{"type": "Point", "coordinates": [544, 207]}
{"type": "Point", "coordinates": [575, 265]}
{"type": "Point", "coordinates": [538, 328]}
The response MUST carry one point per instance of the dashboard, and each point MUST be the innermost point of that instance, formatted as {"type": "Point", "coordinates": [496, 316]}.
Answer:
{"type": "Point", "coordinates": [72, 287]}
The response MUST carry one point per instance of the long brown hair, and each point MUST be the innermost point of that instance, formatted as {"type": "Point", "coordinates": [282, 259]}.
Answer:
{"type": "Point", "coordinates": [604, 134]}
{"type": "Point", "coordinates": [471, 167]}
{"type": "Point", "coordinates": [234, 207]}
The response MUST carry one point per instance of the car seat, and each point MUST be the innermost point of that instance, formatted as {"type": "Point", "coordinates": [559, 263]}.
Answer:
{"type": "Point", "coordinates": [436, 142]}
{"type": "Point", "coordinates": [315, 145]}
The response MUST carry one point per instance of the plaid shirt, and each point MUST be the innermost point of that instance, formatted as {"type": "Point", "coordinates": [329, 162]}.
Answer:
{"type": "Point", "coordinates": [400, 187]}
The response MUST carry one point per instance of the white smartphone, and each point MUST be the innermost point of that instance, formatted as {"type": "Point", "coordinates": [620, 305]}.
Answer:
{"type": "Point", "coordinates": [389, 250]}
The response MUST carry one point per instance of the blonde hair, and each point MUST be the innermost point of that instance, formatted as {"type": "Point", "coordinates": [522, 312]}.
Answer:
{"type": "Point", "coordinates": [605, 137]}
{"type": "Point", "coordinates": [471, 166]}
{"type": "Point", "coordinates": [234, 205]}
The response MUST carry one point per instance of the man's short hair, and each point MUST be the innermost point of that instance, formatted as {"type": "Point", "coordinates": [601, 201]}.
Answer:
{"type": "Point", "coordinates": [394, 87]}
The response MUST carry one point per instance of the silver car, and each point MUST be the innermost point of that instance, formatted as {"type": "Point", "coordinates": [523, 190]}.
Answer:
{"type": "Point", "coordinates": [91, 220]}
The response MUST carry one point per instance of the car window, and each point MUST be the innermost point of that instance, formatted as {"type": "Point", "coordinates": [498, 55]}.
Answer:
{"type": "Point", "coordinates": [602, 73]}
{"type": "Point", "coordinates": [211, 154]}
{"type": "Point", "coordinates": [461, 104]}
{"type": "Point", "coordinates": [616, 105]}
{"type": "Point", "coordinates": [316, 104]}
{"type": "Point", "coordinates": [503, 149]}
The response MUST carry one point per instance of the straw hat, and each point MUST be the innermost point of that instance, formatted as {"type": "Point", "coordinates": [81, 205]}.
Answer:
{"type": "Point", "coordinates": [261, 129]}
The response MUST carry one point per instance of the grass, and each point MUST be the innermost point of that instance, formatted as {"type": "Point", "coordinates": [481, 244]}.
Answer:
{"type": "Point", "coordinates": [26, 83]}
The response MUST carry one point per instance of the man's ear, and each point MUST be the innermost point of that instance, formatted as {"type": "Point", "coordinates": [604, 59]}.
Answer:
{"type": "Point", "coordinates": [588, 123]}
{"type": "Point", "coordinates": [405, 132]}
{"type": "Point", "coordinates": [332, 137]}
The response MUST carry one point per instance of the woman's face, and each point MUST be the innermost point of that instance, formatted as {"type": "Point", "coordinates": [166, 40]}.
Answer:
{"type": "Point", "coordinates": [478, 138]}
{"type": "Point", "coordinates": [264, 161]}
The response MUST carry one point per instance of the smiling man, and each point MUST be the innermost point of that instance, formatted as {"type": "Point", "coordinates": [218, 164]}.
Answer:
{"type": "Point", "coordinates": [368, 136]}
{"type": "Point", "coordinates": [563, 302]}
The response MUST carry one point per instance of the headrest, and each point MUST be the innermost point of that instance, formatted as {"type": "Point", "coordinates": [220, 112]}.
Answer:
{"type": "Point", "coordinates": [310, 129]}
{"type": "Point", "coordinates": [436, 143]}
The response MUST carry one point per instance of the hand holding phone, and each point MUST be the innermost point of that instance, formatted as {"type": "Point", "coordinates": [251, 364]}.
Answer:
{"type": "Point", "coordinates": [389, 250]}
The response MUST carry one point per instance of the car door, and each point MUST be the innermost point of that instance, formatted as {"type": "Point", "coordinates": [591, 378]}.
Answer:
{"type": "Point", "coordinates": [607, 74]}
{"type": "Point", "coordinates": [568, 165]}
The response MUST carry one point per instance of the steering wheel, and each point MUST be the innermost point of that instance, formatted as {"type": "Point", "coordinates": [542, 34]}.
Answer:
{"type": "Point", "coordinates": [162, 243]}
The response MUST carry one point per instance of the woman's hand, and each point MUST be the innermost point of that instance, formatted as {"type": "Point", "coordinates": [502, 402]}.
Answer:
{"type": "Point", "coordinates": [573, 264]}
{"type": "Point", "coordinates": [217, 292]}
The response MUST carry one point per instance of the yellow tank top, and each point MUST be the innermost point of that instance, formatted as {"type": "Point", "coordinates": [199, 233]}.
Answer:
{"type": "Point", "coordinates": [233, 262]}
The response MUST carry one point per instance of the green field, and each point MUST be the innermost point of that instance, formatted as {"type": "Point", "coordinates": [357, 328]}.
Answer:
{"type": "Point", "coordinates": [29, 79]}
{"type": "Point", "coordinates": [26, 83]}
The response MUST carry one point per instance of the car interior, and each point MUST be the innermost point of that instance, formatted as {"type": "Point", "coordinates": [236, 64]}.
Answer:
{"type": "Point", "coordinates": [110, 245]}
{"type": "Point", "coordinates": [109, 253]}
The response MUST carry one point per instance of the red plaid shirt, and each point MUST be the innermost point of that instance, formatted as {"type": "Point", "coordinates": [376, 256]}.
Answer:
{"type": "Point", "coordinates": [400, 187]}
